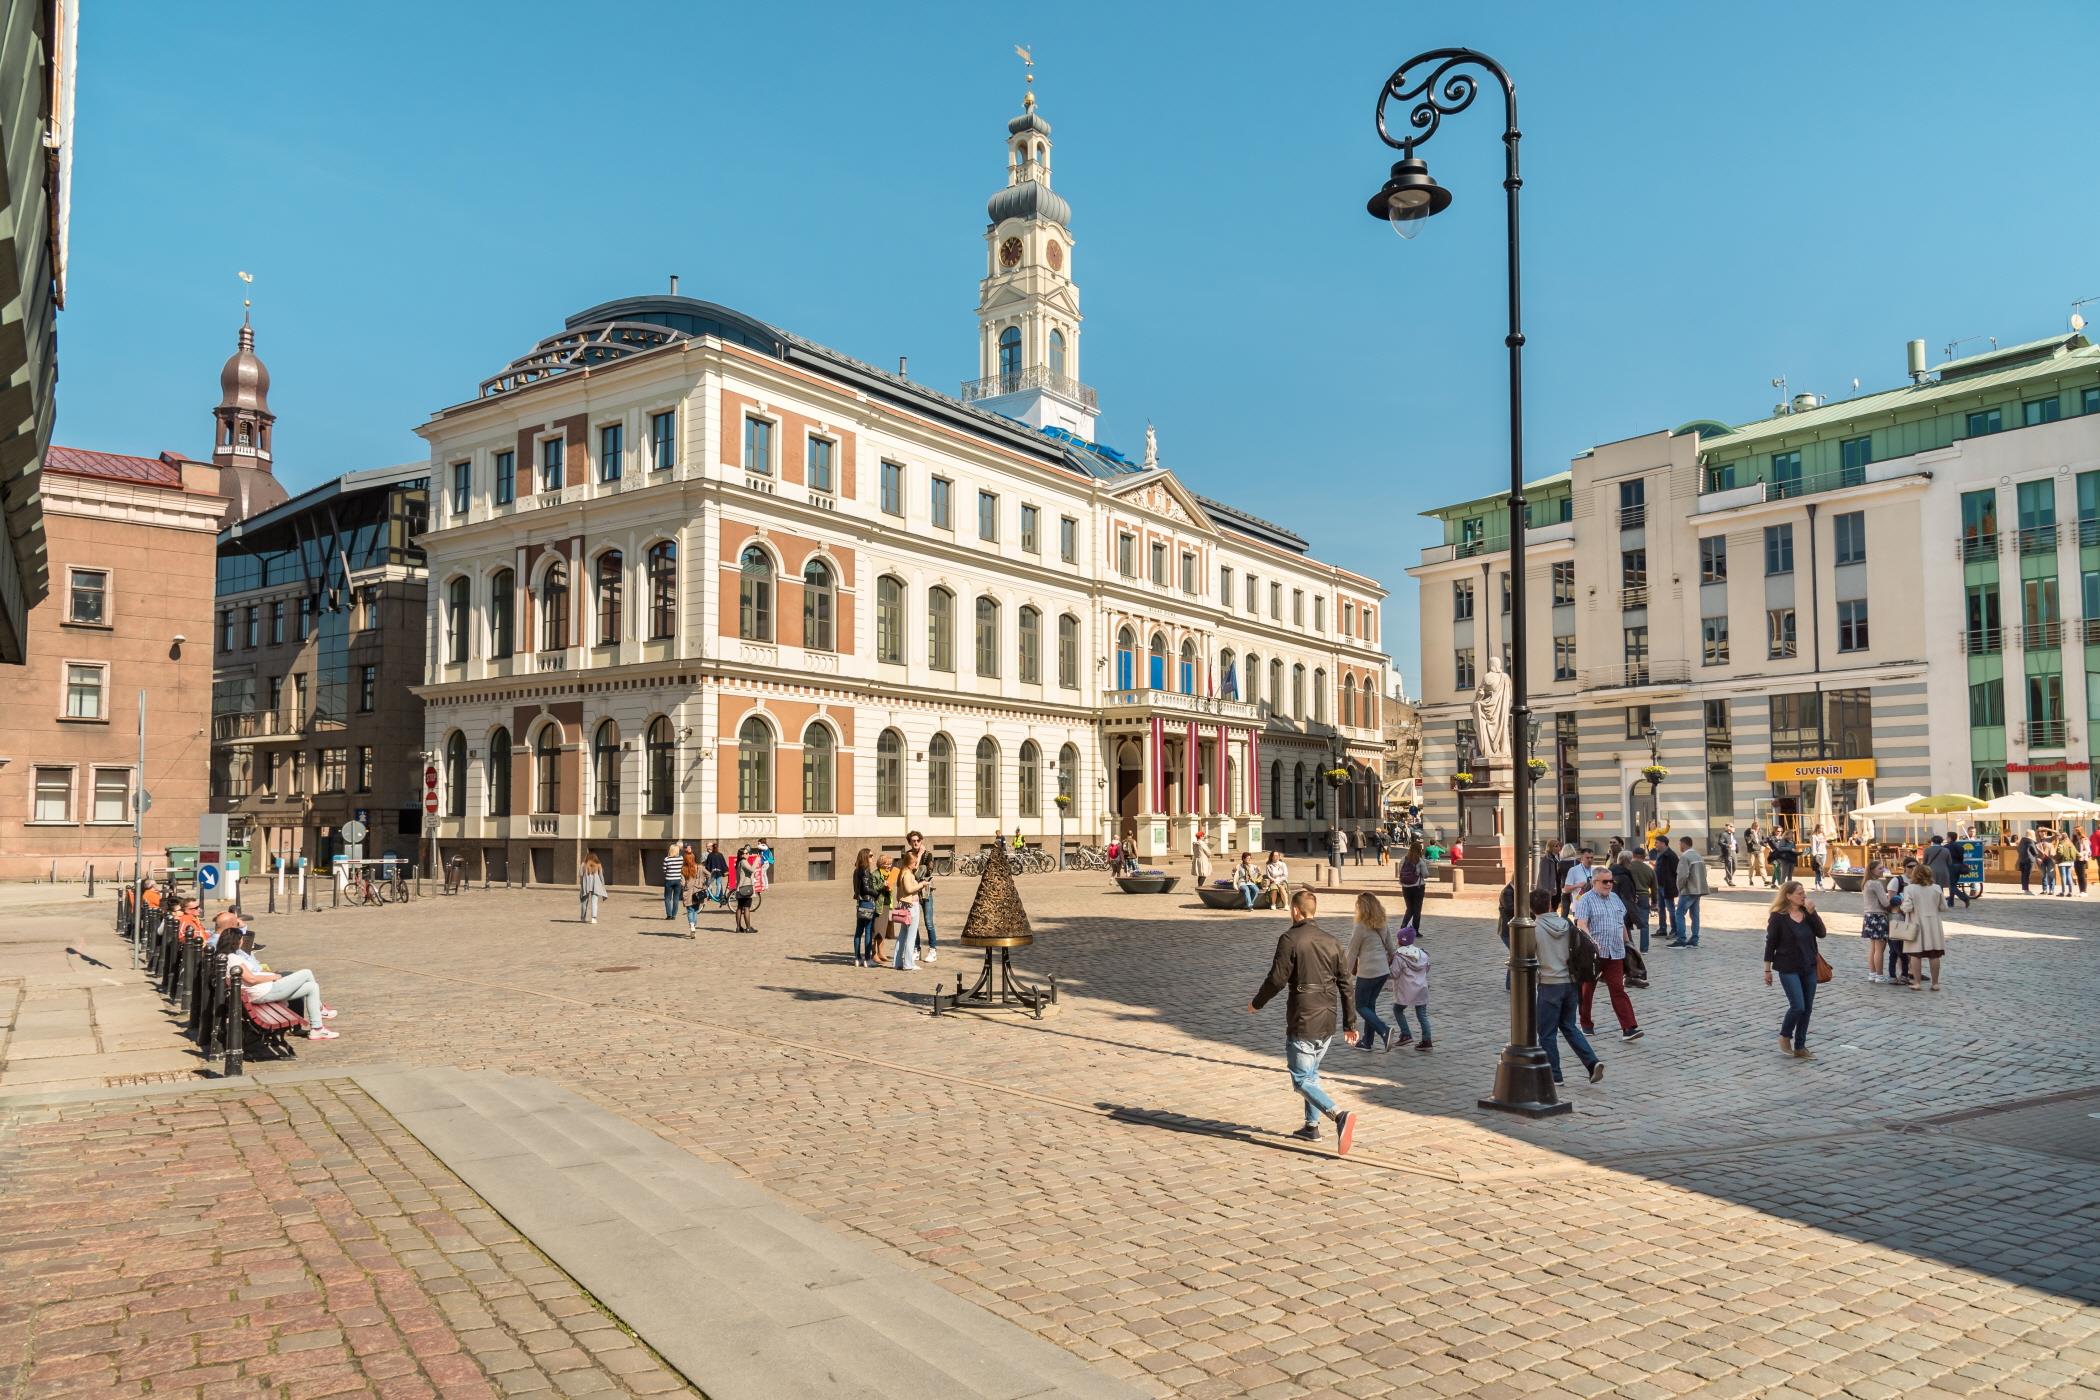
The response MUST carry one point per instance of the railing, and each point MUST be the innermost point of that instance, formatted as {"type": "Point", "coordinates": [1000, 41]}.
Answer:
{"type": "Point", "coordinates": [1482, 544]}
{"type": "Point", "coordinates": [1724, 481]}
{"type": "Point", "coordinates": [1633, 517]}
{"type": "Point", "coordinates": [1469, 548]}
{"type": "Point", "coordinates": [2037, 539]}
{"type": "Point", "coordinates": [1178, 702]}
{"type": "Point", "coordinates": [1635, 673]}
{"type": "Point", "coordinates": [267, 724]}
{"type": "Point", "coordinates": [546, 824]}
{"type": "Point", "coordinates": [2045, 733]}
{"type": "Point", "coordinates": [560, 659]}
{"type": "Point", "coordinates": [1982, 641]}
{"type": "Point", "coordinates": [1034, 377]}
{"type": "Point", "coordinates": [1634, 596]}
{"type": "Point", "coordinates": [1977, 546]}
{"type": "Point", "coordinates": [2089, 531]}
{"type": "Point", "coordinates": [2042, 636]}
{"type": "Point", "coordinates": [2090, 630]}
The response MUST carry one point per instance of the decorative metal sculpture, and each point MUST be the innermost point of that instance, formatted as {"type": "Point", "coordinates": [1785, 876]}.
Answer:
{"type": "Point", "coordinates": [998, 923]}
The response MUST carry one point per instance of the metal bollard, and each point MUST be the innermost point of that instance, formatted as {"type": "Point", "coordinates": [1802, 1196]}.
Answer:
{"type": "Point", "coordinates": [1053, 989]}
{"type": "Point", "coordinates": [273, 897]}
{"type": "Point", "coordinates": [235, 1025]}
{"type": "Point", "coordinates": [303, 905]}
{"type": "Point", "coordinates": [91, 881]}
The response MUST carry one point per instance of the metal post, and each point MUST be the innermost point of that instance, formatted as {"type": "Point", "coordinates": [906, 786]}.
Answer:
{"type": "Point", "coordinates": [236, 1020]}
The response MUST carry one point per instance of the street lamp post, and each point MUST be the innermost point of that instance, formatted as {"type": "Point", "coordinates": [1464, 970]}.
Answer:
{"type": "Point", "coordinates": [1531, 756]}
{"type": "Point", "coordinates": [1432, 86]}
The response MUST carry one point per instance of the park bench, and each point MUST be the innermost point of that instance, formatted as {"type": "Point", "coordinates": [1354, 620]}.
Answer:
{"type": "Point", "coordinates": [272, 1022]}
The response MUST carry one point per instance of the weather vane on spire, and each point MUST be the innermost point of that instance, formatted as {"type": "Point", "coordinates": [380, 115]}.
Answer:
{"type": "Point", "coordinates": [249, 278]}
{"type": "Point", "coordinates": [1028, 63]}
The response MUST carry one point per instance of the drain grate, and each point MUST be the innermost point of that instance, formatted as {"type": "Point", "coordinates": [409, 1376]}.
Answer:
{"type": "Point", "coordinates": [166, 1076]}
{"type": "Point", "coordinates": [636, 968]}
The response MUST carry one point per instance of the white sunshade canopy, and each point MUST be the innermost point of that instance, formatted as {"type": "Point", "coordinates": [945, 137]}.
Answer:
{"type": "Point", "coordinates": [2025, 806]}
{"type": "Point", "coordinates": [1888, 808]}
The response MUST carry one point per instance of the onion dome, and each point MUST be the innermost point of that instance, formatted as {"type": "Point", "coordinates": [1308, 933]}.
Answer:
{"type": "Point", "coordinates": [1028, 199]}
{"type": "Point", "coordinates": [244, 382]}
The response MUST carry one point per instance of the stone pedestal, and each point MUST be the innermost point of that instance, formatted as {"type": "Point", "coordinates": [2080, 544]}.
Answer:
{"type": "Point", "coordinates": [1483, 827]}
{"type": "Point", "coordinates": [1152, 839]}
{"type": "Point", "coordinates": [1224, 840]}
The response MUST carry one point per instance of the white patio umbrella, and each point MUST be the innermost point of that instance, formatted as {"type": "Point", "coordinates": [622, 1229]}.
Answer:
{"type": "Point", "coordinates": [1825, 818]}
{"type": "Point", "coordinates": [2020, 807]}
{"type": "Point", "coordinates": [1859, 800]}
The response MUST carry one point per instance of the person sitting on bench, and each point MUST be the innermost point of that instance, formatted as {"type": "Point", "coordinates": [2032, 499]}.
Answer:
{"type": "Point", "coordinates": [263, 985]}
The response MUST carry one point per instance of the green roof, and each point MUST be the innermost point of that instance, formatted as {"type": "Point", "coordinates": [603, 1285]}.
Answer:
{"type": "Point", "coordinates": [2038, 359]}
{"type": "Point", "coordinates": [1500, 498]}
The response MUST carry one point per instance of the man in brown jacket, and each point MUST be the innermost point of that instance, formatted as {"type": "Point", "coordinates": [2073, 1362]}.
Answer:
{"type": "Point", "coordinates": [1309, 962]}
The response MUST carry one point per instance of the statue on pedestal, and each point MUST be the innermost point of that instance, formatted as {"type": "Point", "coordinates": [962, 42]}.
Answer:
{"type": "Point", "coordinates": [1491, 718]}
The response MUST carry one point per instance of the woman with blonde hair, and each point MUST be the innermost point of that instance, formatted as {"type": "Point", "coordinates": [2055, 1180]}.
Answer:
{"type": "Point", "coordinates": [1791, 931]}
{"type": "Point", "coordinates": [590, 889]}
{"type": "Point", "coordinates": [1369, 958]}
{"type": "Point", "coordinates": [1919, 926]}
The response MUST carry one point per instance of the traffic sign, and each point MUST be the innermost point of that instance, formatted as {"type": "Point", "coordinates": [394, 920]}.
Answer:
{"type": "Point", "coordinates": [354, 832]}
{"type": "Point", "coordinates": [430, 776]}
{"type": "Point", "coordinates": [430, 804]}
{"type": "Point", "coordinates": [207, 877]}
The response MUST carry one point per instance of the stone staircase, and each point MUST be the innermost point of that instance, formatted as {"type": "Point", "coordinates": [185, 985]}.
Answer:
{"type": "Point", "coordinates": [737, 1290]}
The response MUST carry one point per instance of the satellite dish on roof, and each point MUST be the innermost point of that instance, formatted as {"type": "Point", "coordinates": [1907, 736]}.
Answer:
{"type": "Point", "coordinates": [2077, 322]}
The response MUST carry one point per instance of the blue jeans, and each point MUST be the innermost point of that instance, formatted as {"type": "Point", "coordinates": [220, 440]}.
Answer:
{"type": "Point", "coordinates": [1367, 990]}
{"type": "Point", "coordinates": [864, 929]}
{"type": "Point", "coordinates": [906, 956]}
{"type": "Point", "coordinates": [671, 888]}
{"type": "Point", "coordinates": [1688, 913]}
{"type": "Point", "coordinates": [1303, 1057]}
{"type": "Point", "coordinates": [1421, 1014]}
{"type": "Point", "coordinates": [1248, 893]}
{"type": "Point", "coordinates": [926, 919]}
{"type": "Point", "coordinates": [2049, 877]}
{"type": "Point", "coordinates": [1557, 1015]}
{"type": "Point", "coordinates": [1666, 915]}
{"type": "Point", "coordinates": [1641, 911]}
{"type": "Point", "coordinates": [1800, 988]}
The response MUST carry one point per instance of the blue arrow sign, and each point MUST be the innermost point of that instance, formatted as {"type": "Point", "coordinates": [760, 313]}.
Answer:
{"type": "Point", "coordinates": [207, 878]}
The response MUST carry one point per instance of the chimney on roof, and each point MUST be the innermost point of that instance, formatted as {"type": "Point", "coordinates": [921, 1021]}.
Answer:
{"type": "Point", "coordinates": [674, 284]}
{"type": "Point", "coordinates": [904, 366]}
{"type": "Point", "coordinates": [1915, 354]}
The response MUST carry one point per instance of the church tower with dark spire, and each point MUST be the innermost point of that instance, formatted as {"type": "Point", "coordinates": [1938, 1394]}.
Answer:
{"type": "Point", "coordinates": [242, 425]}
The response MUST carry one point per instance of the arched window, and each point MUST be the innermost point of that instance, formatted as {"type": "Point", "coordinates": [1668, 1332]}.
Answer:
{"type": "Point", "coordinates": [1298, 691]}
{"type": "Point", "coordinates": [1253, 679]}
{"type": "Point", "coordinates": [940, 629]}
{"type": "Point", "coordinates": [889, 774]}
{"type": "Point", "coordinates": [1028, 631]}
{"type": "Point", "coordinates": [1228, 676]}
{"type": "Point", "coordinates": [1298, 791]}
{"type": "Point", "coordinates": [1157, 664]}
{"type": "Point", "coordinates": [663, 590]}
{"type": "Point", "coordinates": [819, 602]}
{"type": "Point", "coordinates": [1068, 651]}
{"type": "Point", "coordinates": [456, 775]}
{"type": "Point", "coordinates": [988, 778]}
{"type": "Point", "coordinates": [1276, 686]}
{"type": "Point", "coordinates": [503, 612]}
{"type": "Point", "coordinates": [1349, 701]}
{"type": "Point", "coordinates": [611, 582]}
{"type": "Point", "coordinates": [754, 766]}
{"type": "Point", "coordinates": [889, 619]}
{"type": "Point", "coordinates": [1276, 788]}
{"type": "Point", "coordinates": [459, 616]}
{"type": "Point", "coordinates": [1057, 352]}
{"type": "Point", "coordinates": [987, 637]}
{"type": "Point", "coordinates": [1319, 695]}
{"type": "Point", "coordinates": [1031, 779]}
{"type": "Point", "coordinates": [605, 770]}
{"type": "Point", "coordinates": [554, 607]}
{"type": "Point", "coordinates": [940, 777]}
{"type": "Point", "coordinates": [498, 770]}
{"type": "Point", "coordinates": [1010, 354]}
{"type": "Point", "coordinates": [1126, 660]}
{"type": "Point", "coordinates": [819, 760]}
{"type": "Point", "coordinates": [662, 769]}
{"type": "Point", "coordinates": [1068, 772]}
{"type": "Point", "coordinates": [754, 598]}
{"type": "Point", "coordinates": [546, 769]}
{"type": "Point", "coordinates": [1188, 666]}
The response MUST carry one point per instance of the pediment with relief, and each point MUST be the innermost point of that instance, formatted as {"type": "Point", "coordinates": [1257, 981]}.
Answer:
{"type": "Point", "coordinates": [1159, 493]}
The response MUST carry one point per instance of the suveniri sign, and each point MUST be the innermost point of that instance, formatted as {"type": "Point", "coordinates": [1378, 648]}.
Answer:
{"type": "Point", "coordinates": [1808, 772]}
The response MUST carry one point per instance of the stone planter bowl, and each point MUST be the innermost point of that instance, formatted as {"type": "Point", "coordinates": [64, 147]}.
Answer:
{"type": "Point", "coordinates": [1148, 884]}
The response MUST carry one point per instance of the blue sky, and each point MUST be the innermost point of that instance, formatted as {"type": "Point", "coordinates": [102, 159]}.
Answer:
{"type": "Point", "coordinates": [1714, 195]}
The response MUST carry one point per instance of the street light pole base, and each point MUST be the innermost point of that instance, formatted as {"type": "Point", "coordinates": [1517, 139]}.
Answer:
{"type": "Point", "coordinates": [1524, 1085]}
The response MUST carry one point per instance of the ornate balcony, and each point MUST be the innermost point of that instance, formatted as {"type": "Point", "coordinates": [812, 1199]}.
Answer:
{"type": "Point", "coordinates": [1034, 377]}
{"type": "Point", "coordinates": [1174, 704]}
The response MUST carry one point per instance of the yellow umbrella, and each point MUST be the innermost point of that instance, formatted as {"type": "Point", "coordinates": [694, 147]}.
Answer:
{"type": "Point", "coordinates": [1948, 802]}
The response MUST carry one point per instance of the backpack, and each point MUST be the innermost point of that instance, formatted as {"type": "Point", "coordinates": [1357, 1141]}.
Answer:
{"type": "Point", "coordinates": [1585, 962]}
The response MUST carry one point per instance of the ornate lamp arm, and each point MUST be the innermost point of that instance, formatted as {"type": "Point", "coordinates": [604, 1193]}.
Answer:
{"type": "Point", "coordinates": [1433, 102]}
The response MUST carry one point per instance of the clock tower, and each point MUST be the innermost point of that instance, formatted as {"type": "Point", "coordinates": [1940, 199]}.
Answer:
{"type": "Point", "coordinates": [1028, 305]}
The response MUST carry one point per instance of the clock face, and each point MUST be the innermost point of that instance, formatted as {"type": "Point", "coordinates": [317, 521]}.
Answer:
{"type": "Point", "coordinates": [1057, 255]}
{"type": "Point", "coordinates": [1010, 253]}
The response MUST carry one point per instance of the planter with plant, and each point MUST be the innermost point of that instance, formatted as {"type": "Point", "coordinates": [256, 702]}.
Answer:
{"type": "Point", "coordinates": [1537, 767]}
{"type": "Point", "coordinates": [1462, 780]}
{"type": "Point", "coordinates": [1655, 773]}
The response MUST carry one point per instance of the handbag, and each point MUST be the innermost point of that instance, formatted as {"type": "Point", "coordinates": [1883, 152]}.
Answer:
{"type": "Point", "coordinates": [901, 917]}
{"type": "Point", "coordinates": [1823, 969]}
{"type": "Point", "coordinates": [1636, 967]}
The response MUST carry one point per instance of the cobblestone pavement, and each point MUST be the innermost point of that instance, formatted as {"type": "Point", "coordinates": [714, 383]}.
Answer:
{"type": "Point", "coordinates": [291, 1241]}
{"type": "Point", "coordinates": [1713, 1219]}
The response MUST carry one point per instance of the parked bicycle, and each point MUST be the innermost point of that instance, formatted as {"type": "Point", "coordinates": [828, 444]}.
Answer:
{"type": "Point", "coordinates": [361, 888]}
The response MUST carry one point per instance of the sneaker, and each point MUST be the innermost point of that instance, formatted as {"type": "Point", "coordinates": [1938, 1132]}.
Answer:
{"type": "Point", "coordinates": [1804, 1053]}
{"type": "Point", "coordinates": [1421, 1045]}
{"type": "Point", "coordinates": [1308, 1133]}
{"type": "Point", "coordinates": [1634, 1034]}
{"type": "Point", "coordinates": [1406, 1039]}
{"type": "Point", "coordinates": [1597, 1072]}
{"type": "Point", "coordinates": [323, 1033]}
{"type": "Point", "coordinates": [1786, 1047]}
{"type": "Point", "coordinates": [1558, 1080]}
{"type": "Point", "coordinates": [933, 955]}
{"type": "Point", "coordinates": [1344, 1132]}
{"type": "Point", "coordinates": [328, 1013]}
{"type": "Point", "coordinates": [1677, 943]}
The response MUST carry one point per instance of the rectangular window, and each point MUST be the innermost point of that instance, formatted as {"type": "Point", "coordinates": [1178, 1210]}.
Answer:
{"type": "Point", "coordinates": [367, 688]}
{"type": "Point", "coordinates": [553, 461]}
{"type": "Point", "coordinates": [758, 446]}
{"type": "Point", "coordinates": [506, 478]}
{"type": "Point", "coordinates": [1636, 655]}
{"type": "Point", "coordinates": [1633, 503]}
{"type": "Point", "coordinates": [1779, 633]}
{"type": "Point", "coordinates": [1853, 456]}
{"type": "Point", "coordinates": [1713, 559]}
{"type": "Point", "coordinates": [253, 629]}
{"type": "Point", "coordinates": [818, 466]}
{"type": "Point", "coordinates": [942, 503]}
{"type": "Point", "coordinates": [1068, 540]}
{"type": "Point", "coordinates": [297, 786]}
{"type": "Point", "coordinates": [987, 517]}
{"type": "Point", "coordinates": [1504, 580]}
{"type": "Point", "coordinates": [1850, 532]}
{"type": "Point", "coordinates": [1563, 583]}
{"type": "Point", "coordinates": [2041, 411]}
{"type": "Point", "coordinates": [1986, 704]}
{"type": "Point", "coordinates": [87, 596]}
{"type": "Point", "coordinates": [612, 452]}
{"type": "Point", "coordinates": [1461, 599]}
{"type": "Point", "coordinates": [2089, 401]}
{"type": "Point", "coordinates": [1253, 594]}
{"type": "Point", "coordinates": [277, 623]}
{"type": "Point", "coordinates": [1720, 762]}
{"type": "Point", "coordinates": [1188, 572]}
{"type": "Point", "coordinates": [1159, 563]}
{"type": "Point", "coordinates": [112, 795]}
{"type": "Point", "coordinates": [1224, 585]}
{"type": "Point", "coordinates": [1462, 669]}
{"type": "Point", "coordinates": [892, 489]}
{"type": "Point", "coordinates": [1320, 608]}
{"type": "Point", "coordinates": [1276, 601]}
{"type": "Point", "coordinates": [1786, 474]}
{"type": "Point", "coordinates": [1031, 529]}
{"type": "Point", "coordinates": [335, 769]}
{"type": "Point", "coordinates": [1126, 554]}
{"type": "Point", "coordinates": [54, 795]}
{"type": "Point", "coordinates": [1639, 720]}
{"type": "Point", "coordinates": [1633, 577]}
{"type": "Point", "coordinates": [227, 629]}
{"type": "Point", "coordinates": [462, 486]}
{"type": "Point", "coordinates": [1564, 658]}
{"type": "Point", "coordinates": [1713, 641]}
{"type": "Point", "coordinates": [84, 685]}
{"type": "Point", "coordinates": [1988, 420]}
{"type": "Point", "coordinates": [1297, 607]}
{"type": "Point", "coordinates": [663, 441]}
{"type": "Point", "coordinates": [306, 618]}
{"type": "Point", "coordinates": [1779, 549]}
{"type": "Point", "coordinates": [361, 772]}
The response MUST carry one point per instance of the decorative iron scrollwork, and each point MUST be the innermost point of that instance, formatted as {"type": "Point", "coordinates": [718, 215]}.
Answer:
{"type": "Point", "coordinates": [1444, 90]}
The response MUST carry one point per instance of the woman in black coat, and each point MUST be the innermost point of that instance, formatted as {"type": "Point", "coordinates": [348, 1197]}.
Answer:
{"type": "Point", "coordinates": [1791, 932]}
